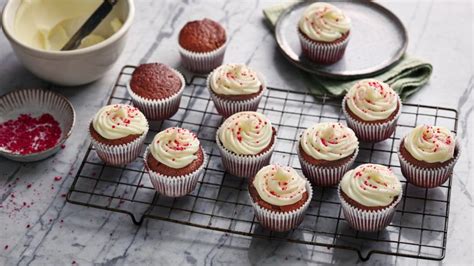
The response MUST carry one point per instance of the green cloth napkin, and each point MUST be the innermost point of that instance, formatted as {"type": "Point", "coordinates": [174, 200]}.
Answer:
{"type": "Point", "coordinates": [406, 77]}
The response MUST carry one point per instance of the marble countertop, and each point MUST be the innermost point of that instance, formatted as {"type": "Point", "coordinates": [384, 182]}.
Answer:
{"type": "Point", "coordinates": [50, 231]}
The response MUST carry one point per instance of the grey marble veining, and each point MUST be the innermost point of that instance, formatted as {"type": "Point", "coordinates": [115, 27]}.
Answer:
{"type": "Point", "coordinates": [47, 230]}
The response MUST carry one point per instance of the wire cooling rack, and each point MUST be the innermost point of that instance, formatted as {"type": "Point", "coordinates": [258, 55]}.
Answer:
{"type": "Point", "coordinates": [220, 201]}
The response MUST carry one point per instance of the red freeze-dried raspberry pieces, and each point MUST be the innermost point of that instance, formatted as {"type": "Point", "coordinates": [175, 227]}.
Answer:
{"type": "Point", "coordinates": [27, 134]}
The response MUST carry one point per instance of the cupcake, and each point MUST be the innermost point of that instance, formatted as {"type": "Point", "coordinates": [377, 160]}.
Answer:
{"type": "Point", "coordinates": [246, 141]}
{"type": "Point", "coordinates": [326, 151]}
{"type": "Point", "coordinates": [369, 195]}
{"type": "Point", "coordinates": [118, 132]}
{"type": "Point", "coordinates": [324, 32]}
{"type": "Point", "coordinates": [235, 88]}
{"type": "Point", "coordinates": [202, 45]}
{"type": "Point", "coordinates": [372, 109]}
{"type": "Point", "coordinates": [174, 161]}
{"type": "Point", "coordinates": [428, 155]}
{"type": "Point", "coordinates": [156, 90]}
{"type": "Point", "coordinates": [280, 197]}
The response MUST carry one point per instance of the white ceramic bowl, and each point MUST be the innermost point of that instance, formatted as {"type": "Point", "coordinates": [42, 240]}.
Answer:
{"type": "Point", "coordinates": [37, 102]}
{"type": "Point", "coordinates": [70, 68]}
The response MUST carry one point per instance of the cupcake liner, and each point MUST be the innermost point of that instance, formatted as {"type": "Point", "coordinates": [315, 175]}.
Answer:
{"type": "Point", "coordinates": [202, 62]}
{"type": "Point", "coordinates": [282, 221]}
{"type": "Point", "coordinates": [324, 176]}
{"type": "Point", "coordinates": [174, 186]}
{"type": "Point", "coordinates": [243, 165]}
{"type": "Point", "coordinates": [323, 53]}
{"type": "Point", "coordinates": [368, 221]}
{"type": "Point", "coordinates": [158, 109]}
{"type": "Point", "coordinates": [367, 132]}
{"type": "Point", "coordinates": [119, 154]}
{"type": "Point", "coordinates": [428, 177]}
{"type": "Point", "coordinates": [229, 107]}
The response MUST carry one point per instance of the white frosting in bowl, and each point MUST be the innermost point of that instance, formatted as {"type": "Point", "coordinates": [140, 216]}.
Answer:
{"type": "Point", "coordinates": [49, 24]}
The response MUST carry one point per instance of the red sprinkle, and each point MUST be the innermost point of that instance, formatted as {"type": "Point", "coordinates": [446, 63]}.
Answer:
{"type": "Point", "coordinates": [57, 178]}
{"type": "Point", "coordinates": [26, 135]}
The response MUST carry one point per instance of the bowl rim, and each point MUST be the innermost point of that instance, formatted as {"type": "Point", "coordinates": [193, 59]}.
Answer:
{"type": "Point", "coordinates": [78, 52]}
{"type": "Point", "coordinates": [10, 155]}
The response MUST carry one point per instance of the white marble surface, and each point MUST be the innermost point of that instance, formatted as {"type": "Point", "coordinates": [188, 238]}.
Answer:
{"type": "Point", "coordinates": [52, 231]}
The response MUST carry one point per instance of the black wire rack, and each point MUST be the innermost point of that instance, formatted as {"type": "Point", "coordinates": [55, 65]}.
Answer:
{"type": "Point", "coordinates": [220, 201]}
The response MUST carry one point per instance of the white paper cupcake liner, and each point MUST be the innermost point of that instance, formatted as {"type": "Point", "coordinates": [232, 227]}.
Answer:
{"type": "Point", "coordinates": [158, 109]}
{"type": "Point", "coordinates": [367, 132]}
{"type": "Point", "coordinates": [228, 107]}
{"type": "Point", "coordinates": [243, 165]}
{"type": "Point", "coordinates": [174, 186]}
{"type": "Point", "coordinates": [323, 53]}
{"type": "Point", "coordinates": [119, 154]}
{"type": "Point", "coordinates": [324, 176]}
{"type": "Point", "coordinates": [202, 62]}
{"type": "Point", "coordinates": [428, 177]}
{"type": "Point", "coordinates": [368, 221]}
{"type": "Point", "coordinates": [282, 221]}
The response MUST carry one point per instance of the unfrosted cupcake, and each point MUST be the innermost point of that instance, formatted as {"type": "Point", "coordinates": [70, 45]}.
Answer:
{"type": "Point", "coordinates": [156, 90]}
{"type": "Point", "coordinates": [202, 45]}
{"type": "Point", "coordinates": [428, 155]}
{"type": "Point", "coordinates": [280, 197]}
{"type": "Point", "coordinates": [246, 141]}
{"type": "Point", "coordinates": [118, 132]}
{"type": "Point", "coordinates": [235, 88]}
{"type": "Point", "coordinates": [369, 195]}
{"type": "Point", "coordinates": [175, 161]}
{"type": "Point", "coordinates": [372, 108]}
{"type": "Point", "coordinates": [326, 151]}
{"type": "Point", "coordinates": [324, 32]}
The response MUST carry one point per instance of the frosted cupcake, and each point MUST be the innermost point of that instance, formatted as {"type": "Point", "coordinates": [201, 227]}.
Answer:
{"type": "Point", "coordinates": [202, 45]}
{"type": "Point", "coordinates": [326, 151]}
{"type": "Point", "coordinates": [156, 90]}
{"type": "Point", "coordinates": [246, 141]}
{"type": "Point", "coordinates": [369, 195]}
{"type": "Point", "coordinates": [428, 155]}
{"type": "Point", "coordinates": [372, 108]}
{"type": "Point", "coordinates": [118, 132]}
{"type": "Point", "coordinates": [235, 88]}
{"type": "Point", "coordinates": [175, 161]}
{"type": "Point", "coordinates": [324, 32]}
{"type": "Point", "coordinates": [280, 197]}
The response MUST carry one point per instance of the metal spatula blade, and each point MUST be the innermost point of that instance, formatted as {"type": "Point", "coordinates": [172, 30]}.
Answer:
{"type": "Point", "coordinates": [90, 25]}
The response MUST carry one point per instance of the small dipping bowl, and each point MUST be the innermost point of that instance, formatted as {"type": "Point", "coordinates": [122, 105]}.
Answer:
{"type": "Point", "coordinates": [75, 67]}
{"type": "Point", "coordinates": [36, 102]}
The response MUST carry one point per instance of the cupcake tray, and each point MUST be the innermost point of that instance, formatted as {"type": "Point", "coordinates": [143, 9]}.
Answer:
{"type": "Point", "coordinates": [221, 202]}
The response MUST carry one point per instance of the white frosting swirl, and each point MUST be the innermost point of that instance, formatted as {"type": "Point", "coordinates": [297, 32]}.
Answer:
{"type": "Point", "coordinates": [430, 144]}
{"type": "Point", "coordinates": [118, 121]}
{"type": "Point", "coordinates": [324, 22]}
{"type": "Point", "coordinates": [279, 185]}
{"type": "Point", "coordinates": [371, 185]}
{"type": "Point", "coordinates": [372, 100]}
{"type": "Point", "coordinates": [235, 79]}
{"type": "Point", "coordinates": [175, 147]}
{"type": "Point", "coordinates": [246, 133]}
{"type": "Point", "coordinates": [329, 141]}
